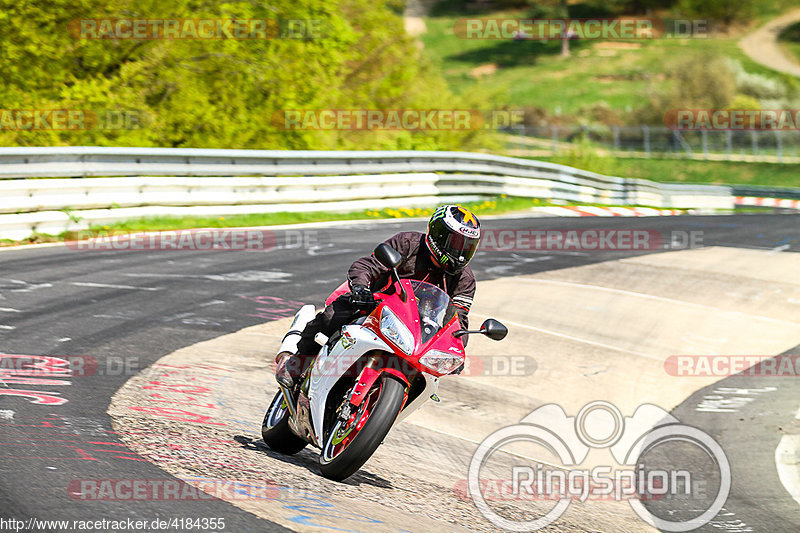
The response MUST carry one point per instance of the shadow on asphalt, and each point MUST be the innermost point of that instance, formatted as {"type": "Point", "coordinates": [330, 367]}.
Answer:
{"type": "Point", "coordinates": [308, 459]}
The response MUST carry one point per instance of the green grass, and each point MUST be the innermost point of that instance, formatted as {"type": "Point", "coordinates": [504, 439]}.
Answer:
{"type": "Point", "coordinates": [496, 205]}
{"type": "Point", "coordinates": [689, 171]}
{"type": "Point", "coordinates": [492, 206]}
{"type": "Point", "coordinates": [531, 73]}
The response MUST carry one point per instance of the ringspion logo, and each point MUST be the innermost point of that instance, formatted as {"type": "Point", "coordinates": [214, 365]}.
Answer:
{"type": "Point", "coordinates": [655, 458]}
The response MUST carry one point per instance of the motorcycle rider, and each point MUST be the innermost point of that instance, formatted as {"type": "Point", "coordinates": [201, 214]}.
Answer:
{"type": "Point", "coordinates": [439, 257]}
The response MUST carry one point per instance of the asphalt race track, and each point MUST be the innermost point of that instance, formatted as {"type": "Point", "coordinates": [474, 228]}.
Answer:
{"type": "Point", "coordinates": [118, 312]}
{"type": "Point", "coordinates": [748, 416]}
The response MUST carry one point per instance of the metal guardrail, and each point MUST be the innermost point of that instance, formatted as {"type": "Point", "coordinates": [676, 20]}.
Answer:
{"type": "Point", "coordinates": [766, 192]}
{"type": "Point", "coordinates": [775, 146]}
{"type": "Point", "coordinates": [97, 185]}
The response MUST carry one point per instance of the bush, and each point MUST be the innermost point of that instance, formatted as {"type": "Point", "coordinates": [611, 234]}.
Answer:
{"type": "Point", "coordinates": [756, 85]}
{"type": "Point", "coordinates": [220, 93]}
{"type": "Point", "coordinates": [694, 81]}
{"type": "Point", "coordinates": [742, 101]}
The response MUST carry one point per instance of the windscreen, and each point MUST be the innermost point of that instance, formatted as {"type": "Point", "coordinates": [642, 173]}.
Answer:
{"type": "Point", "coordinates": [434, 306]}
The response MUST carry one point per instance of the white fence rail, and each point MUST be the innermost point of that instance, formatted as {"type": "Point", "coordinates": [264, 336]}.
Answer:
{"type": "Point", "coordinates": [91, 185]}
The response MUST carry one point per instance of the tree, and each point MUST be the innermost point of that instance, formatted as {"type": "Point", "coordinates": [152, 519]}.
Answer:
{"type": "Point", "coordinates": [723, 11]}
{"type": "Point", "coordinates": [220, 92]}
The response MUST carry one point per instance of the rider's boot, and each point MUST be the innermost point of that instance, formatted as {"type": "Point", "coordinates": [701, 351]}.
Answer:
{"type": "Point", "coordinates": [284, 374]}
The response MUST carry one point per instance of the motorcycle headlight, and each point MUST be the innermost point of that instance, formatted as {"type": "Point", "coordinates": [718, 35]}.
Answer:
{"type": "Point", "coordinates": [441, 362]}
{"type": "Point", "coordinates": [394, 330]}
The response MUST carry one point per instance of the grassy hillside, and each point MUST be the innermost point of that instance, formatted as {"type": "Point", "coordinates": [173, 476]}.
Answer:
{"type": "Point", "coordinates": [616, 74]}
{"type": "Point", "coordinates": [621, 83]}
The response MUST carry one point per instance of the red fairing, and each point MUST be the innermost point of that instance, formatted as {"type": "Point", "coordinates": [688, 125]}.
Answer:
{"type": "Point", "coordinates": [408, 314]}
{"type": "Point", "coordinates": [344, 288]}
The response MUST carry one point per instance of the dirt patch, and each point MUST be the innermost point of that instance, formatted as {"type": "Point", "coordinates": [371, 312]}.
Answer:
{"type": "Point", "coordinates": [484, 70]}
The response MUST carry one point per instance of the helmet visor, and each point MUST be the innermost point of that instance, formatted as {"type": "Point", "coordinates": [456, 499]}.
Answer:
{"type": "Point", "coordinates": [460, 248]}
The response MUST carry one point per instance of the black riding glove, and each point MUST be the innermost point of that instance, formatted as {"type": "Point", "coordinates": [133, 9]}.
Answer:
{"type": "Point", "coordinates": [361, 297]}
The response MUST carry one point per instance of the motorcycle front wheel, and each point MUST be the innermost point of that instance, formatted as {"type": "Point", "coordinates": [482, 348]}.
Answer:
{"type": "Point", "coordinates": [275, 428]}
{"type": "Point", "coordinates": [350, 443]}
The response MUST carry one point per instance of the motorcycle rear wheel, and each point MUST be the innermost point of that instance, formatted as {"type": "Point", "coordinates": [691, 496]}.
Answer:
{"type": "Point", "coordinates": [275, 429]}
{"type": "Point", "coordinates": [375, 418]}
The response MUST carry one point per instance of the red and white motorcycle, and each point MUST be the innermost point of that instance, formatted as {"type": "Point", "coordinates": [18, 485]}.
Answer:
{"type": "Point", "coordinates": [371, 375]}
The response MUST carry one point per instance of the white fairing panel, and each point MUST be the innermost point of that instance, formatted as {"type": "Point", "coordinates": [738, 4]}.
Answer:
{"type": "Point", "coordinates": [431, 386]}
{"type": "Point", "coordinates": [329, 367]}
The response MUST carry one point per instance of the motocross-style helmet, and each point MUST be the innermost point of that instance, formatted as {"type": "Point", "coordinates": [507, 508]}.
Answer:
{"type": "Point", "coordinates": [453, 236]}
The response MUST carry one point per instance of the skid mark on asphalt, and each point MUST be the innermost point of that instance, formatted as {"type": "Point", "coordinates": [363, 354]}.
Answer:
{"type": "Point", "coordinates": [112, 286]}
{"type": "Point", "coordinates": [61, 438]}
{"type": "Point", "coordinates": [18, 285]}
{"type": "Point", "coordinates": [272, 307]}
{"type": "Point", "coordinates": [265, 276]}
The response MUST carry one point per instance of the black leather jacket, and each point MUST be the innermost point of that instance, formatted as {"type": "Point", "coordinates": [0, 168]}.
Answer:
{"type": "Point", "coordinates": [417, 264]}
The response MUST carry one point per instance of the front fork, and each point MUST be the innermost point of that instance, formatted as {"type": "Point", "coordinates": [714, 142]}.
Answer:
{"type": "Point", "coordinates": [351, 408]}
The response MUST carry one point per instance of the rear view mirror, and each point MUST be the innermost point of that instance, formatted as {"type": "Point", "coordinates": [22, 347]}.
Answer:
{"type": "Point", "coordinates": [388, 256]}
{"type": "Point", "coordinates": [494, 329]}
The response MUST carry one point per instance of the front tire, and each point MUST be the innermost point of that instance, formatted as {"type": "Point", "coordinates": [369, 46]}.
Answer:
{"type": "Point", "coordinates": [380, 407]}
{"type": "Point", "coordinates": [275, 428]}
